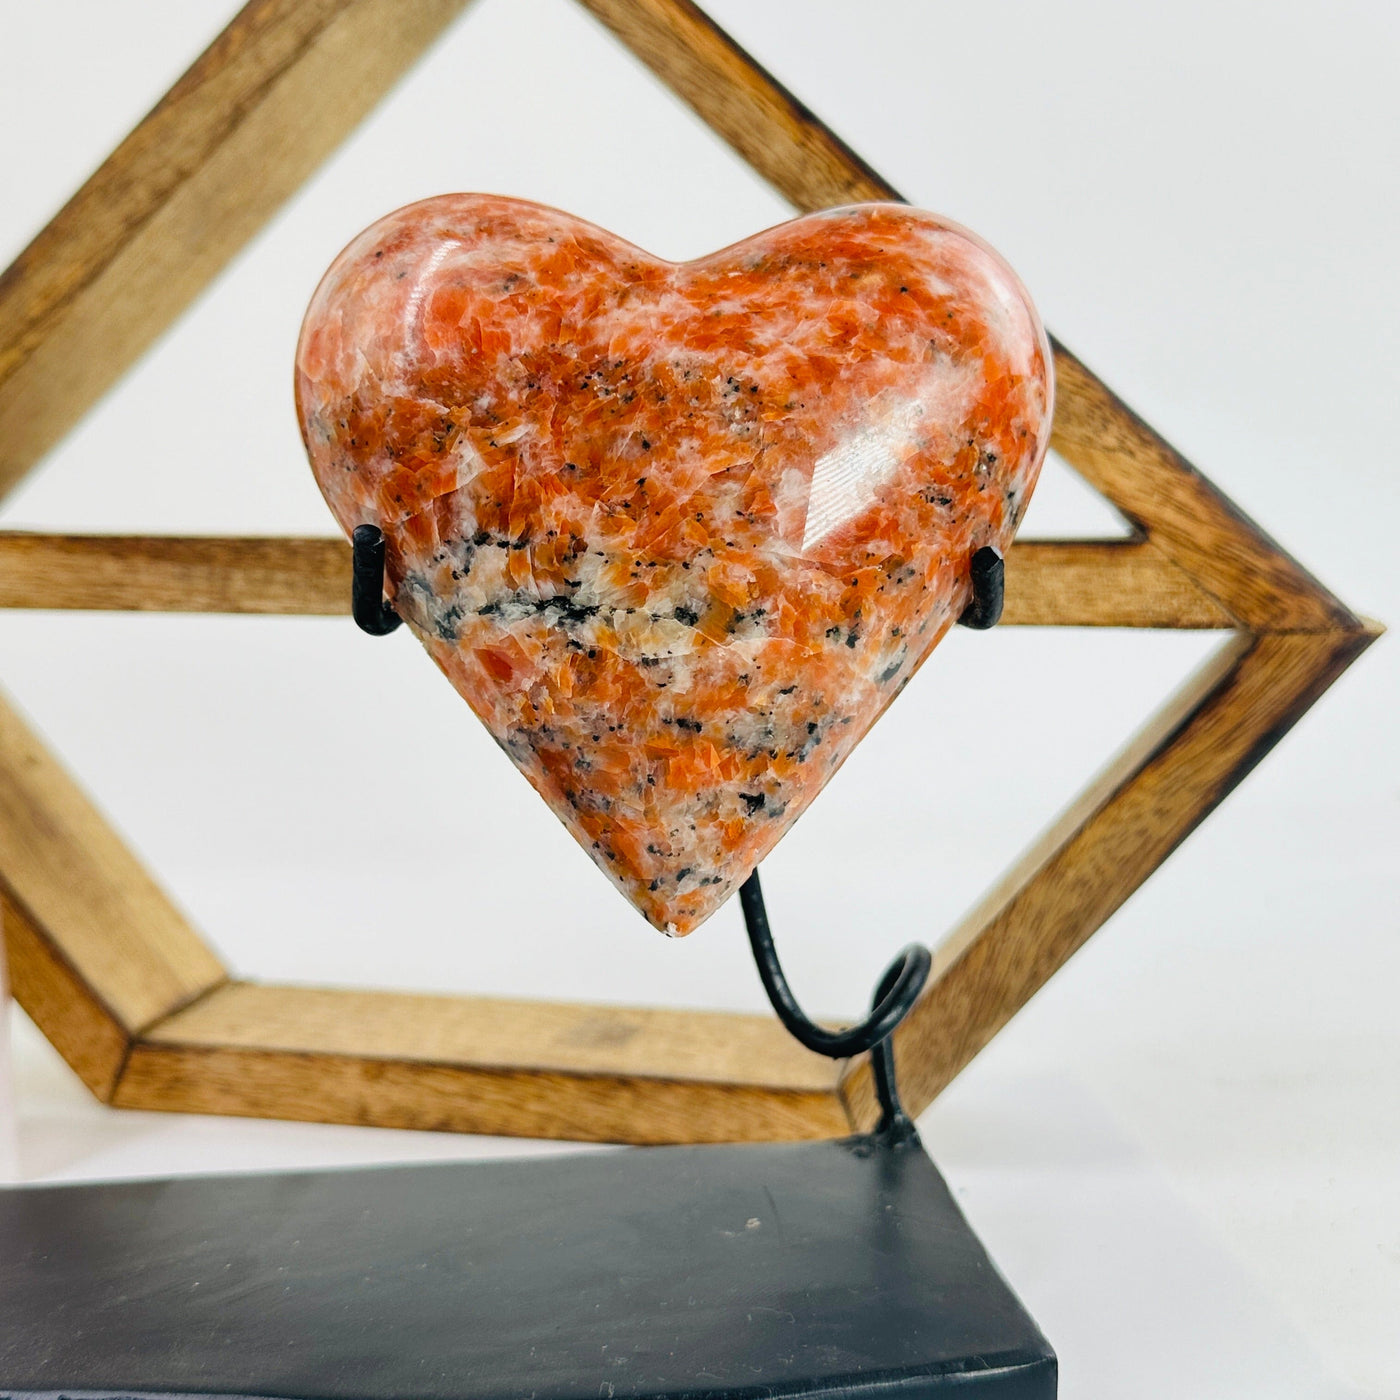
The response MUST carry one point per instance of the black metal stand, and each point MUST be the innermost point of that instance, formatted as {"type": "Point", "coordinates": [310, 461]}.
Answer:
{"type": "Point", "coordinates": [372, 612]}
{"type": "Point", "coordinates": [375, 615]}
{"type": "Point", "coordinates": [894, 998]}
{"type": "Point", "coordinates": [988, 590]}
{"type": "Point", "coordinates": [904, 979]}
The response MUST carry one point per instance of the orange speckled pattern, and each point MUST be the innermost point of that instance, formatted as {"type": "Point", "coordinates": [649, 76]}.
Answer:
{"type": "Point", "coordinates": [677, 532]}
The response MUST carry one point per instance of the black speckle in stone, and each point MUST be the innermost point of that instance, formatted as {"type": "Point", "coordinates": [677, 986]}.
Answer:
{"type": "Point", "coordinates": [754, 801]}
{"type": "Point", "coordinates": [687, 615]}
{"type": "Point", "coordinates": [569, 611]}
{"type": "Point", "coordinates": [446, 625]}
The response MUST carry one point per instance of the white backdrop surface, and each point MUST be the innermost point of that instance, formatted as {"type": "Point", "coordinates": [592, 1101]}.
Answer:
{"type": "Point", "coordinates": [1186, 1152]}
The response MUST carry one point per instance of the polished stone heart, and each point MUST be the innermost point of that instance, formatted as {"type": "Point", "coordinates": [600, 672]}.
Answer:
{"type": "Point", "coordinates": [677, 532]}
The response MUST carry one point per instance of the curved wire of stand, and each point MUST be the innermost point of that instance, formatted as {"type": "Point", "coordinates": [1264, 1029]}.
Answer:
{"type": "Point", "coordinates": [894, 998]}
{"type": "Point", "coordinates": [904, 978]}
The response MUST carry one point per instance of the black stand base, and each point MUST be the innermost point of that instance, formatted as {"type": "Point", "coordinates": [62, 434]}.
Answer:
{"type": "Point", "coordinates": [839, 1269]}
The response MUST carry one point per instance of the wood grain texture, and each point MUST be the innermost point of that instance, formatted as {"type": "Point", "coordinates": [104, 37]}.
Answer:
{"type": "Point", "coordinates": [1185, 517]}
{"type": "Point", "coordinates": [500, 1032]}
{"type": "Point", "coordinates": [1103, 583]}
{"type": "Point", "coordinates": [1070, 583]}
{"type": "Point", "coordinates": [162, 573]}
{"type": "Point", "coordinates": [1167, 780]}
{"type": "Point", "coordinates": [232, 140]}
{"type": "Point", "coordinates": [485, 1065]}
{"type": "Point", "coordinates": [66, 1010]}
{"type": "Point", "coordinates": [253, 1083]}
{"type": "Point", "coordinates": [83, 892]}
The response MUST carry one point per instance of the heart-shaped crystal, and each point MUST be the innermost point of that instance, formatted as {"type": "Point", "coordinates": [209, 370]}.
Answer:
{"type": "Point", "coordinates": [677, 532]}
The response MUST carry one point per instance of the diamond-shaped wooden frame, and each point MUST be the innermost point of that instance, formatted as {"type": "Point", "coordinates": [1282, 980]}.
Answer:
{"type": "Point", "coordinates": [131, 995]}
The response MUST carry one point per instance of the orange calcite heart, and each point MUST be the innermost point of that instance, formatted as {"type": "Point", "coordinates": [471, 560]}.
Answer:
{"type": "Point", "coordinates": [677, 532]}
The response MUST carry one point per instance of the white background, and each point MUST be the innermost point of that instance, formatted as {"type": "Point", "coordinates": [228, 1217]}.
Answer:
{"type": "Point", "coordinates": [1186, 1152]}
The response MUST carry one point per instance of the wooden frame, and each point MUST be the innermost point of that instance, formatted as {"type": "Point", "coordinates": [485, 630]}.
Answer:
{"type": "Point", "coordinates": [128, 991]}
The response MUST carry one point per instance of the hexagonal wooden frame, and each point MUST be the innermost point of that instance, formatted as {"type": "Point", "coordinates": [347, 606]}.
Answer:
{"type": "Point", "coordinates": [131, 995]}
